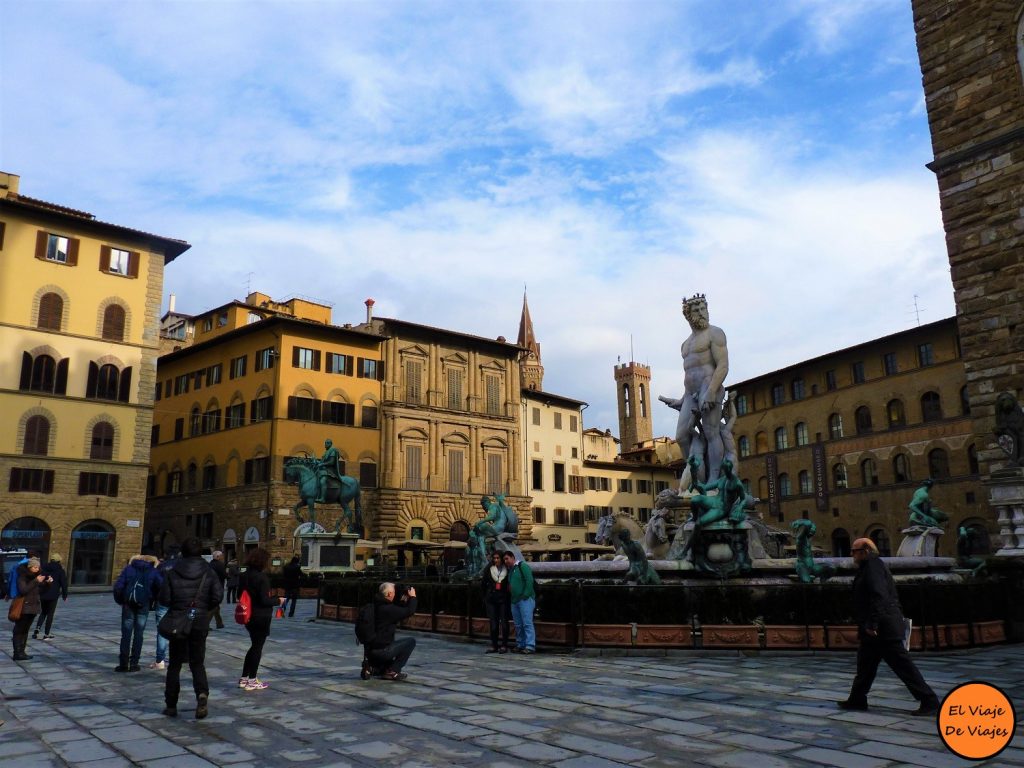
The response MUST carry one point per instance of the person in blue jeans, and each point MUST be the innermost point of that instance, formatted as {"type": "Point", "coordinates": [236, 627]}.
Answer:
{"type": "Point", "coordinates": [524, 600]}
{"type": "Point", "coordinates": [162, 643]}
{"type": "Point", "coordinates": [135, 610]}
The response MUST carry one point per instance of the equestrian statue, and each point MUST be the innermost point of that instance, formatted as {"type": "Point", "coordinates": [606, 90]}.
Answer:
{"type": "Point", "coordinates": [320, 482]}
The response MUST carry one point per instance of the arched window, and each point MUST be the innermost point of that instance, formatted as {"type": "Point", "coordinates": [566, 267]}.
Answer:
{"type": "Point", "coordinates": [113, 323]}
{"type": "Point", "coordinates": [626, 404]}
{"type": "Point", "coordinates": [801, 433]}
{"type": "Point", "coordinates": [761, 442]}
{"type": "Point", "coordinates": [805, 481]}
{"type": "Point", "coordinates": [459, 531]}
{"type": "Point", "coordinates": [938, 464]}
{"type": "Point", "coordinates": [835, 426]}
{"type": "Point", "coordinates": [51, 311]}
{"type": "Point", "coordinates": [839, 475]}
{"type": "Point", "coordinates": [897, 416]}
{"type": "Point", "coordinates": [868, 472]}
{"type": "Point", "coordinates": [195, 422]}
{"type": "Point", "coordinates": [840, 543]}
{"type": "Point", "coordinates": [44, 374]}
{"type": "Point", "coordinates": [781, 439]}
{"type": "Point", "coordinates": [37, 436]}
{"type": "Point", "coordinates": [643, 402]}
{"type": "Point", "coordinates": [784, 486]}
{"type": "Point", "coordinates": [102, 441]}
{"type": "Point", "coordinates": [965, 403]}
{"type": "Point", "coordinates": [901, 468]}
{"type": "Point", "coordinates": [744, 445]}
{"type": "Point", "coordinates": [972, 460]}
{"type": "Point", "coordinates": [191, 476]}
{"type": "Point", "coordinates": [881, 539]}
{"type": "Point", "coordinates": [106, 382]}
{"type": "Point", "coordinates": [862, 419]}
{"type": "Point", "coordinates": [92, 553]}
{"type": "Point", "coordinates": [931, 406]}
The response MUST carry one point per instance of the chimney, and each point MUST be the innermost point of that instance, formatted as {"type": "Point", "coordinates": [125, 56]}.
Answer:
{"type": "Point", "coordinates": [170, 303]}
{"type": "Point", "coordinates": [369, 310]}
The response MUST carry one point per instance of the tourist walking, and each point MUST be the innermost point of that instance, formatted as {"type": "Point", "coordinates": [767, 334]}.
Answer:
{"type": "Point", "coordinates": [220, 570]}
{"type": "Point", "coordinates": [55, 589]}
{"type": "Point", "coordinates": [257, 584]}
{"type": "Point", "coordinates": [497, 602]}
{"type": "Point", "coordinates": [162, 643]}
{"type": "Point", "coordinates": [29, 583]}
{"type": "Point", "coordinates": [292, 578]}
{"type": "Point", "coordinates": [880, 629]}
{"type": "Point", "coordinates": [232, 580]}
{"type": "Point", "coordinates": [524, 600]}
{"type": "Point", "coordinates": [384, 652]}
{"type": "Point", "coordinates": [135, 590]}
{"type": "Point", "coordinates": [190, 588]}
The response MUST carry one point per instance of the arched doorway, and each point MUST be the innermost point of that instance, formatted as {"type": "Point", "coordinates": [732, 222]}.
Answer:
{"type": "Point", "coordinates": [92, 553]}
{"type": "Point", "coordinates": [881, 539]}
{"type": "Point", "coordinates": [452, 554]}
{"type": "Point", "coordinates": [252, 539]}
{"type": "Point", "coordinates": [28, 533]}
{"type": "Point", "coordinates": [230, 545]}
{"type": "Point", "coordinates": [840, 543]}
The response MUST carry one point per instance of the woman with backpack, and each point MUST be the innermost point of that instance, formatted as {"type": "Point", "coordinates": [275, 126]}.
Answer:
{"type": "Point", "coordinates": [256, 584]}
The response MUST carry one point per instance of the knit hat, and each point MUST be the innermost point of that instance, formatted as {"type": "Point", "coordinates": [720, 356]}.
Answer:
{"type": "Point", "coordinates": [33, 562]}
{"type": "Point", "coordinates": [55, 558]}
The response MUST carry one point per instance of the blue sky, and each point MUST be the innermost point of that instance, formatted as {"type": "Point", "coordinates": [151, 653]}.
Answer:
{"type": "Point", "coordinates": [437, 156]}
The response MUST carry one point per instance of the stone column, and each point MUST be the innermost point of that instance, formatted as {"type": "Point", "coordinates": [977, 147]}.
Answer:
{"type": "Point", "coordinates": [1006, 498]}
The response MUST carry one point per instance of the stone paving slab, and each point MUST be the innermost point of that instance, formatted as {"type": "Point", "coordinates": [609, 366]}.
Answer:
{"type": "Point", "coordinates": [461, 707]}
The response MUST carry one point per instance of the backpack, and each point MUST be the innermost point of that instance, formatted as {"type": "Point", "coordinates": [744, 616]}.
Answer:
{"type": "Point", "coordinates": [366, 624]}
{"type": "Point", "coordinates": [243, 608]}
{"type": "Point", "coordinates": [12, 582]}
{"type": "Point", "coordinates": [137, 595]}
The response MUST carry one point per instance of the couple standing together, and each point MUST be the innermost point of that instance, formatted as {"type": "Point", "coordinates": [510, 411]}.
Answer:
{"type": "Point", "coordinates": [509, 594]}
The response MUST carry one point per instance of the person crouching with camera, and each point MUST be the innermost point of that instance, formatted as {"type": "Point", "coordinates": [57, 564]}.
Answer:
{"type": "Point", "coordinates": [385, 652]}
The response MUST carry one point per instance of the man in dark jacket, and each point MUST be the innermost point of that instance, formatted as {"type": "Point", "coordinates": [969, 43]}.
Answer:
{"type": "Point", "coordinates": [386, 652]}
{"type": "Point", "coordinates": [292, 577]}
{"type": "Point", "coordinates": [135, 609]}
{"type": "Point", "coordinates": [51, 593]}
{"type": "Point", "coordinates": [880, 629]}
{"type": "Point", "coordinates": [190, 585]}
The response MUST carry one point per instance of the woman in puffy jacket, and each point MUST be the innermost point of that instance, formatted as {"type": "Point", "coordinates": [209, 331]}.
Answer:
{"type": "Point", "coordinates": [257, 584]}
{"type": "Point", "coordinates": [30, 581]}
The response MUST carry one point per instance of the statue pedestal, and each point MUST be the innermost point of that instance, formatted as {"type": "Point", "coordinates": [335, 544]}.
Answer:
{"type": "Point", "coordinates": [919, 541]}
{"type": "Point", "coordinates": [326, 552]}
{"type": "Point", "coordinates": [720, 548]}
{"type": "Point", "coordinates": [1006, 498]}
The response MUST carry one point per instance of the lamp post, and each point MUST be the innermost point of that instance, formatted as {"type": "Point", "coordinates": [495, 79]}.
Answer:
{"type": "Point", "coordinates": [273, 355]}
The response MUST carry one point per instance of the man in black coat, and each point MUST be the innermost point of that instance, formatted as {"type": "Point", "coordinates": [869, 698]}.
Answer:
{"type": "Point", "coordinates": [292, 579]}
{"type": "Point", "coordinates": [385, 651]}
{"type": "Point", "coordinates": [190, 585]}
{"type": "Point", "coordinates": [880, 629]}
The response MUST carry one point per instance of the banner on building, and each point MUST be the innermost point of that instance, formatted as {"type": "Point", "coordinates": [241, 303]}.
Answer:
{"type": "Point", "coordinates": [772, 470]}
{"type": "Point", "coordinates": [820, 477]}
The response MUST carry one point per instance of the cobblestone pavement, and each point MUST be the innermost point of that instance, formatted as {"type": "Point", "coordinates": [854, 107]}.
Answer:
{"type": "Point", "coordinates": [461, 707]}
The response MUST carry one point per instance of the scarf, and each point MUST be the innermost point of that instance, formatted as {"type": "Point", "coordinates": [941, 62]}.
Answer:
{"type": "Point", "coordinates": [498, 575]}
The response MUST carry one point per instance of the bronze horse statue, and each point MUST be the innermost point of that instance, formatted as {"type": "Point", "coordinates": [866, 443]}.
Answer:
{"type": "Point", "coordinates": [303, 471]}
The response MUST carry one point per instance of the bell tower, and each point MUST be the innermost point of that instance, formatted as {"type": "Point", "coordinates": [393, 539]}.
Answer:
{"type": "Point", "coordinates": [531, 370]}
{"type": "Point", "coordinates": [633, 391]}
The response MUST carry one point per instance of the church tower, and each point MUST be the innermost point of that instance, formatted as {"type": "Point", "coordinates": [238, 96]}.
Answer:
{"type": "Point", "coordinates": [530, 369]}
{"type": "Point", "coordinates": [633, 387]}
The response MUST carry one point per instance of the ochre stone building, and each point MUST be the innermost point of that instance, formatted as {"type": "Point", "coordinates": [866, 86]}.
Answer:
{"type": "Point", "coordinates": [261, 381]}
{"type": "Point", "coordinates": [79, 317]}
{"type": "Point", "coordinates": [845, 439]}
{"type": "Point", "coordinates": [972, 65]}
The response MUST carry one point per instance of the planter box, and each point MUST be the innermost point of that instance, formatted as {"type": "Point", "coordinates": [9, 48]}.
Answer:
{"type": "Point", "coordinates": [843, 638]}
{"type": "Point", "coordinates": [555, 633]}
{"type": "Point", "coordinates": [986, 632]}
{"type": "Point", "coordinates": [916, 639]}
{"type": "Point", "coordinates": [608, 634]}
{"type": "Point", "coordinates": [783, 636]}
{"type": "Point", "coordinates": [452, 625]}
{"type": "Point", "coordinates": [328, 611]}
{"type": "Point", "coordinates": [422, 621]}
{"type": "Point", "coordinates": [665, 635]}
{"type": "Point", "coordinates": [958, 635]}
{"type": "Point", "coordinates": [347, 613]}
{"type": "Point", "coordinates": [728, 636]}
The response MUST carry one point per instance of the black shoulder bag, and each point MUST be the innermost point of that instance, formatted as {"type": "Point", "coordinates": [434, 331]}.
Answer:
{"type": "Point", "coordinates": [177, 623]}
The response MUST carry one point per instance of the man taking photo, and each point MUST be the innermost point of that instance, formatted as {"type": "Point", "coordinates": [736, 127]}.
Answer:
{"type": "Point", "coordinates": [384, 652]}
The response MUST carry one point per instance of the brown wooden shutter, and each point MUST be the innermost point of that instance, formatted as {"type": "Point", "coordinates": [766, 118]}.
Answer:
{"type": "Point", "coordinates": [83, 483]}
{"type": "Point", "coordinates": [42, 238]}
{"type": "Point", "coordinates": [318, 410]}
{"type": "Point", "coordinates": [3, 230]}
{"type": "Point", "coordinates": [329, 363]}
{"type": "Point", "coordinates": [92, 379]}
{"type": "Point", "coordinates": [15, 479]}
{"type": "Point", "coordinates": [349, 364]}
{"type": "Point", "coordinates": [295, 357]}
{"type": "Point", "coordinates": [72, 251]}
{"type": "Point", "coordinates": [124, 393]}
{"type": "Point", "coordinates": [291, 407]}
{"type": "Point", "coordinates": [248, 471]}
{"type": "Point", "coordinates": [61, 385]}
{"type": "Point", "coordinates": [112, 485]}
{"type": "Point", "coordinates": [380, 370]}
{"type": "Point", "coordinates": [316, 359]}
{"type": "Point", "coordinates": [48, 481]}
{"type": "Point", "coordinates": [26, 371]}
{"type": "Point", "coordinates": [359, 367]}
{"type": "Point", "coordinates": [104, 258]}
{"type": "Point", "coordinates": [133, 263]}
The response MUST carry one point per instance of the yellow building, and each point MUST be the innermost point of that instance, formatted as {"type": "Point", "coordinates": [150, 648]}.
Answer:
{"type": "Point", "coordinates": [845, 439]}
{"type": "Point", "coordinates": [79, 316]}
{"type": "Point", "coordinates": [261, 381]}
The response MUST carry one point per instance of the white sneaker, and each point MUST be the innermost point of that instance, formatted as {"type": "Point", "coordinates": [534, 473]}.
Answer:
{"type": "Point", "coordinates": [158, 665]}
{"type": "Point", "coordinates": [243, 682]}
{"type": "Point", "coordinates": [255, 684]}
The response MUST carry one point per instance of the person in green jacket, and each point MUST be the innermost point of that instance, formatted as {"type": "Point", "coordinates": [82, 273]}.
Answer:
{"type": "Point", "coordinates": [524, 600]}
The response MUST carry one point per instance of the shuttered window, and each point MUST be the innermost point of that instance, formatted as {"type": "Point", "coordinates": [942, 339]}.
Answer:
{"type": "Point", "coordinates": [456, 463]}
{"type": "Point", "coordinates": [495, 479]}
{"type": "Point", "coordinates": [413, 467]}
{"type": "Point", "coordinates": [456, 398]}
{"type": "Point", "coordinates": [57, 248]}
{"type": "Point", "coordinates": [37, 436]}
{"type": "Point", "coordinates": [493, 385]}
{"type": "Point", "coordinates": [51, 311]}
{"type": "Point", "coordinates": [413, 381]}
{"type": "Point", "coordinates": [102, 446]}
{"type": "Point", "coordinates": [113, 323]}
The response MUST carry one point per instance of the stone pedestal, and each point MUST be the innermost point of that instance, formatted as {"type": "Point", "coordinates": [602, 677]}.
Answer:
{"type": "Point", "coordinates": [720, 548]}
{"type": "Point", "coordinates": [324, 552]}
{"type": "Point", "coordinates": [919, 541]}
{"type": "Point", "coordinates": [1006, 498]}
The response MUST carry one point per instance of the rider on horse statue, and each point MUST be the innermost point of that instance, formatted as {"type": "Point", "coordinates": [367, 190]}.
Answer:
{"type": "Point", "coordinates": [329, 466]}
